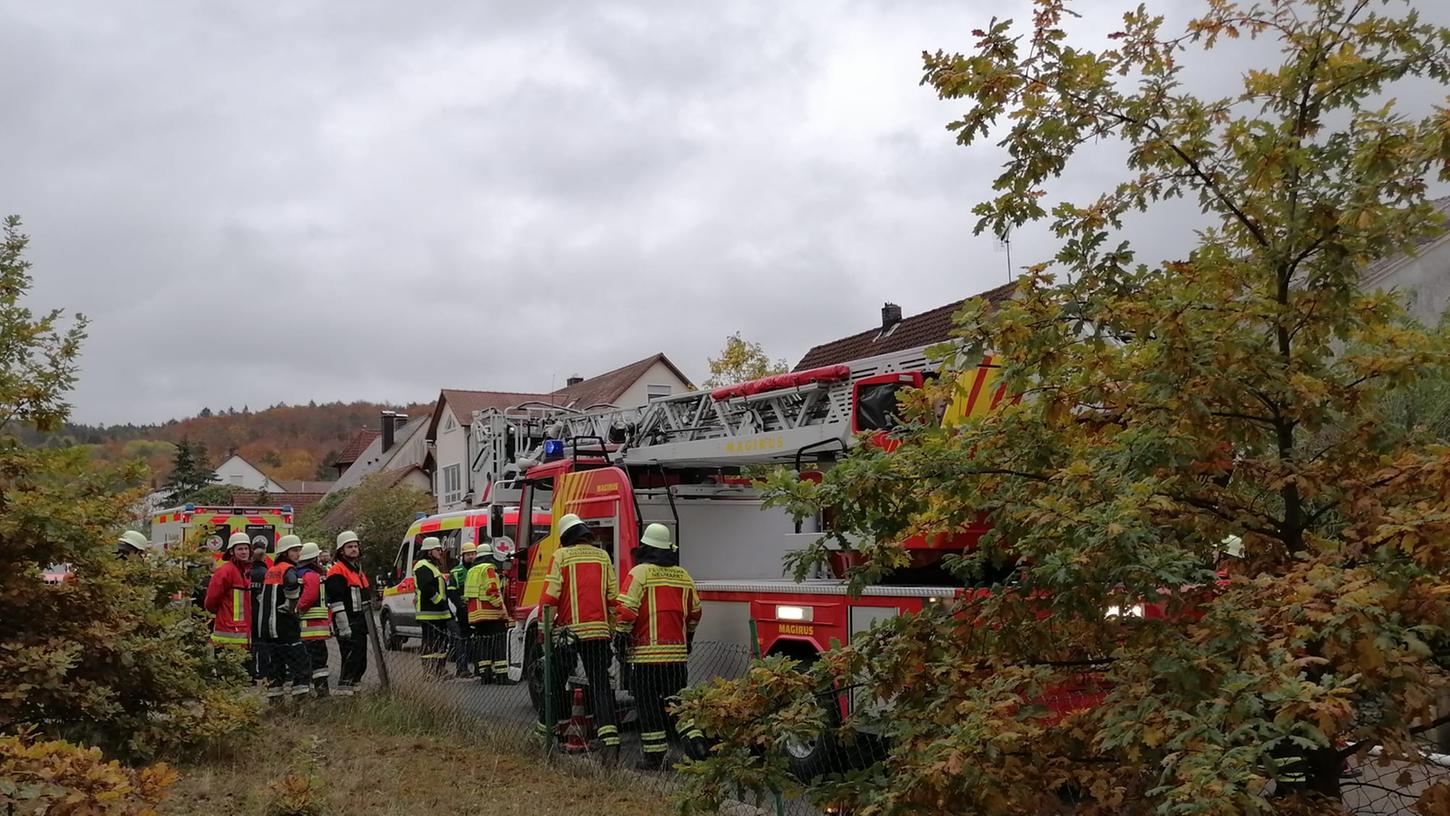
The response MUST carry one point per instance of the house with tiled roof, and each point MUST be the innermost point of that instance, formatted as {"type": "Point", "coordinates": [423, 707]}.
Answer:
{"type": "Point", "coordinates": [354, 448]}
{"type": "Point", "coordinates": [447, 434]}
{"type": "Point", "coordinates": [896, 333]}
{"type": "Point", "coordinates": [237, 472]}
{"type": "Point", "coordinates": [1421, 276]}
{"type": "Point", "coordinates": [399, 446]}
{"type": "Point", "coordinates": [627, 386]}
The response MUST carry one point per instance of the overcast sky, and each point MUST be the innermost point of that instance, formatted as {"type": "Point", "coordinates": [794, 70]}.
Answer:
{"type": "Point", "coordinates": [282, 201]}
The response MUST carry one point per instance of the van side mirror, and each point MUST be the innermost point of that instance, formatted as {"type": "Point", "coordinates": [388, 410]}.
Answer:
{"type": "Point", "coordinates": [495, 521]}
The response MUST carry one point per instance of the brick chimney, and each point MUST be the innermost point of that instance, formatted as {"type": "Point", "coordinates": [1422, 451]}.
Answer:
{"type": "Point", "coordinates": [388, 427]}
{"type": "Point", "coordinates": [890, 316]}
{"type": "Point", "coordinates": [573, 381]}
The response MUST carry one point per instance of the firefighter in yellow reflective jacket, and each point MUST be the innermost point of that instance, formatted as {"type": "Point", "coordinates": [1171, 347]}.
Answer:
{"type": "Point", "coordinates": [659, 609]}
{"type": "Point", "coordinates": [487, 617]}
{"type": "Point", "coordinates": [581, 587]}
{"type": "Point", "coordinates": [430, 599]}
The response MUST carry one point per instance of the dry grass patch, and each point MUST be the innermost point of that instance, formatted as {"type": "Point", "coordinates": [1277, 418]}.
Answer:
{"type": "Point", "coordinates": [384, 756]}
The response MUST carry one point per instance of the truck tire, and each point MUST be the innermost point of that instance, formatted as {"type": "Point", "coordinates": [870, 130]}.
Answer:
{"type": "Point", "coordinates": [824, 754]}
{"type": "Point", "coordinates": [533, 668]}
{"type": "Point", "coordinates": [392, 641]}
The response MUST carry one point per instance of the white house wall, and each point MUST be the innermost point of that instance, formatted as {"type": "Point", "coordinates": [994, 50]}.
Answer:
{"type": "Point", "coordinates": [237, 472]}
{"type": "Point", "coordinates": [658, 374]}
{"type": "Point", "coordinates": [1423, 280]}
{"type": "Point", "coordinates": [407, 451]}
{"type": "Point", "coordinates": [451, 448]}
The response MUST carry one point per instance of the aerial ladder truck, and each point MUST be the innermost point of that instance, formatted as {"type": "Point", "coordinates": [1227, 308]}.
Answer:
{"type": "Point", "coordinates": [681, 461]}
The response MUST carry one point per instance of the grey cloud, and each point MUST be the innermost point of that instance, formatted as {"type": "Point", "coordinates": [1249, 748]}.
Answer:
{"type": "Point", "coordinates": [280, 202]}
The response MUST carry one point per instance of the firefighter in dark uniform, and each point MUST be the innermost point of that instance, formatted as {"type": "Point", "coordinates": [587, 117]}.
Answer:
{"type": "Point", "coordinates": [347, 600]}
{"type": "Point", "coordinates": [461, 646]}
{"type": "Point", "coordinates": [260, 668]}
{"type": "Point", "coordinates": [281, 625]}
{"type": "Point", "coordinates": [430, 600]}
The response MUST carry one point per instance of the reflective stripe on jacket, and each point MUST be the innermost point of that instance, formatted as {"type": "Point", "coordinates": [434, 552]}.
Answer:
{"type": "Point", "coordinates": [280, 592]}
{"type": "Point", "coordinates": [483, 595]}
{"type": "Point", "coordinates": [312, 606]}
{"type": "Point", "coordinates": [227, 598]}
{"type": "Point", "coordinates": [346, 590]}
{"type": "Point", "coordinates": [582, 587]}
{"type": "Point", "coordinates": [430, 596]}
{"type": "Point", "coordinates": [660, 609]}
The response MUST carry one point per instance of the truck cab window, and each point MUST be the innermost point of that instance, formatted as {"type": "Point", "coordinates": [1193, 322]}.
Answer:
{"type": "Point", "coordinates": [401, 565]}
{"type": "Point", "coordinates": [876, 407]}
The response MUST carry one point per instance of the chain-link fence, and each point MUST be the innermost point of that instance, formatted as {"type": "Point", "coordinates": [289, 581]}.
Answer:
{"type": "Point", "coordinates": [610, 703]}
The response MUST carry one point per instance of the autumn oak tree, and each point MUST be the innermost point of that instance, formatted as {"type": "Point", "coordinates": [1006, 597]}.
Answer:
{"type": "Point", "coordinates": [1235, 391]}
{"type": "Point", "coordinates": [103, 659]}
{"type": "Point", "coordinates": [742, 361]}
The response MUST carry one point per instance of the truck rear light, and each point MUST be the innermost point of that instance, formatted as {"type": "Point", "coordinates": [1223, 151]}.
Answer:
{"type": "Point", "coordinates": [794, 613]}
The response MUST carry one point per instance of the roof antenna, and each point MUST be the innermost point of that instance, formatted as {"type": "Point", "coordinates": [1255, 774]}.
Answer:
{"type": "Point", "coordinates": [1004, 244]}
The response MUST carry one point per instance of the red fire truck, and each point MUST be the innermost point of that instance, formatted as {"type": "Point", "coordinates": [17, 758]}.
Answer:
{"type": "Point", "coordinates": [679, 462]}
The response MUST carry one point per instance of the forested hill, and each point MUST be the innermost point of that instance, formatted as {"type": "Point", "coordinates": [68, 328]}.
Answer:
{"type": "Point", "coordinates": [285, 441]}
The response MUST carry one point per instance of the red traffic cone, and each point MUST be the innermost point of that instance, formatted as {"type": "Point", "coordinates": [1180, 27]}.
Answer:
{"type": "Point", "coordinates": [576, 733]}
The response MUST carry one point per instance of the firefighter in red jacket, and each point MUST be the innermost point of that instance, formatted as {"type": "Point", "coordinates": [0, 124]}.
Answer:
{"type": "Point", "coordinates": [483, 597]}
{"type": "Point", "coordinates": [228, 595]}
{"type": "Point", "coordinates": [582, 587]}
{"type": "Point", "coordinates": [349, 602]}
{"type": "Point", "coordinates": [280, 626]}
{"type": "Point", "coordinates": [313, 614]}
{"type": "Point", "coordinates": [658, 610]}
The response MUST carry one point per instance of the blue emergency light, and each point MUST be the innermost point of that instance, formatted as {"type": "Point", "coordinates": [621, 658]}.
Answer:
{"type": "Point", "coordinates": [553, 448]}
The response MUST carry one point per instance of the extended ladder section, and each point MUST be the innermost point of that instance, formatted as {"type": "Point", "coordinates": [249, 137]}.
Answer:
{"type": "Point", "coordinates": [774, 419]}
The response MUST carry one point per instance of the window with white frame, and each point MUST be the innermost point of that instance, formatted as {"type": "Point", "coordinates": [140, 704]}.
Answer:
{"type": "Point", "coordinates": [655, 390]}
{"type": "Point", "coordinates": [452, 484]}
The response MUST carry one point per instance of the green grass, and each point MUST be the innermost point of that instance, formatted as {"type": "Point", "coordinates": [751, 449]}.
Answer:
{"type": "Point", "coordinates": [386, 756]}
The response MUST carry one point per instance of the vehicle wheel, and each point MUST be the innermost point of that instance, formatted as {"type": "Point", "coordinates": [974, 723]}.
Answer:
{"type": "Point", "coordinates": [824, 754]}
{"type": "Point", "coordinates": [533, 670]}
{"type": "Point", "coordinates": [392, 641]}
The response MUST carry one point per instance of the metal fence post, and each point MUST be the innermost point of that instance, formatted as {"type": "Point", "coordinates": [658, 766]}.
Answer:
{"type": "Point", "coordinates": [382, 660]}
{"type": "Point", "coordinates": [547, 628]}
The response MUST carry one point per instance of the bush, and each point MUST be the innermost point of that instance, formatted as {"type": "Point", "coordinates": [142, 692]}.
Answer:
{"type": "Point", "coordinates": [55, 777]}
{"type": "Point", "coordinates": [106, 658]}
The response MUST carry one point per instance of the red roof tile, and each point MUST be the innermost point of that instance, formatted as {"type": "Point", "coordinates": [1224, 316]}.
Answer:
{"type": "Point", "coordinates": [916, 331]}
{"type": "Point", "coordinates": [357, 445]}
{"type": "Point", "coordinates": [609, 386]}
{"type": "Point", "coordinates": [297, 501]}
{"type": "Point", "coordinates": [464, 403]}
